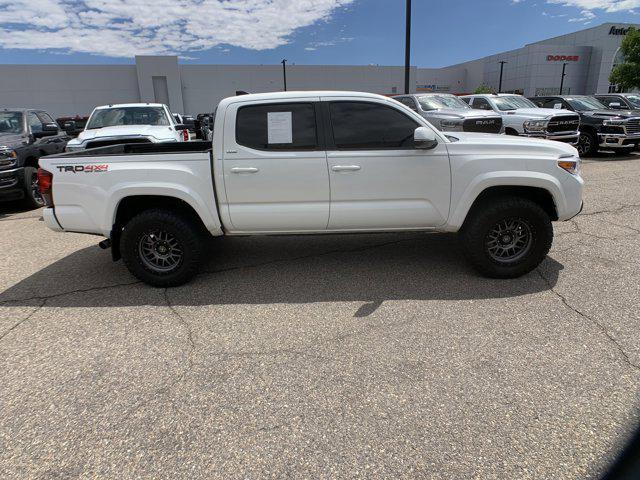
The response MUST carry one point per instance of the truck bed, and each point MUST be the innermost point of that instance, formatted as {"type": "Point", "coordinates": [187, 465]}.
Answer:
{"type": "Point", "coordinates": [141, 149]}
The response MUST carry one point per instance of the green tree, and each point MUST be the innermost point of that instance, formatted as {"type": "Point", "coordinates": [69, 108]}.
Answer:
{"type": "Point", "coordinates": [627, 74]}
{"type": "Point", "coordinates": [484, 89]}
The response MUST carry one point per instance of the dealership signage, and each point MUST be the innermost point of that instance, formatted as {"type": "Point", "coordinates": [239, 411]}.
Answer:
{"type": "Point", "coordinates": [563, 58]}
{"type": "Point", "coordinates": [433, 88]}
{"type": "Point", "coordinates": [619, 31]}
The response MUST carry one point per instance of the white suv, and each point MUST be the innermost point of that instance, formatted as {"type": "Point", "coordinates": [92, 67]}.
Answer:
{"type": "Point", "coordinates": [128, 123]}
{"type": "Point", "coordinates": [521, 116]}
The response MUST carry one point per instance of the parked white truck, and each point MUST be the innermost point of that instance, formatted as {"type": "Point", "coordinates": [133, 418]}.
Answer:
{"type": "Point", "coordinates": [309, 163]}
{"type": "Point", "coordinates": [130, 123]}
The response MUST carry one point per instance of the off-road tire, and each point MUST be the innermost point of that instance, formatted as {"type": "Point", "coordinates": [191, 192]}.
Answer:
{"type": "Point", "coordinates": [476, 232]}
{"type": "Point", "coordinates": [186, 234]}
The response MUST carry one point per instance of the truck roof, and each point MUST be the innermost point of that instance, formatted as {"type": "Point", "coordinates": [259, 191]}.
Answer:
{"type": "Point", "coordinates": [121, 105]}
{"type": "Point", "coordinates": [252, 97]}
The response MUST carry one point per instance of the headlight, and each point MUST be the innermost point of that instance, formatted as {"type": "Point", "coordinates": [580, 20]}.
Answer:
{"type": "Point", "coordinates": [451, 124]}
{"type": "Point", "coordinates": [615, 121]}
{"type": "Point", "coordinates": [8, 157]}
{"type": "Point", "coordinates": [570, 163]}
{"type": "Point", "coordinates": [535, 125]}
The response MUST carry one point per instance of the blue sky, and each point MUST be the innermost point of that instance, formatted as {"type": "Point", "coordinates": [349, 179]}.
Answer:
{"type": "Point", "coordinates": [357, 32]}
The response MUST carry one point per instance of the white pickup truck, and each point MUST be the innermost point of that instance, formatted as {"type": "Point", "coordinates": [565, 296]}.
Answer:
{"type": "Point", "coordinates": [310, 163]}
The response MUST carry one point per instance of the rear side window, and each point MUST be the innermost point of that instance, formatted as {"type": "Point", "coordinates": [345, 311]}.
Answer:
{"type": "Point", "coordinates": [481, 104]}
{"type": "Point", "coordinates": [369, 126]}
{"type": "Point", "coordinates": [290, 126]}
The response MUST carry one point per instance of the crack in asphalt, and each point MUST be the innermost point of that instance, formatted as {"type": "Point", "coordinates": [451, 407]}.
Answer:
{"type": "Point", "coordinates": [27, 318]}
{"type": "Point", "coordinates": [621, 208]}
{"type": "Point", "coordinates": [190, 337]}
{"type": "Point", "coordinates": [70, 292]}
{"type": "Point", "coordinates": [593, 321]}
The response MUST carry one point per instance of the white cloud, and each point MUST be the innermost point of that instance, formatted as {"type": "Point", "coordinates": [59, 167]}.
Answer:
{"type": "Point", "coordinates": [606, 5]}
{"type": "Point", "coordinates": [124, 28]}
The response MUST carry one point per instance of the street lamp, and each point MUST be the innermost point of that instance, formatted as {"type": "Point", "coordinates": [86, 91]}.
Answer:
{"type": "Point", "coordinates": [284, 73]}
{"type": "Point", "coordinates": [501, 62]}
{"type": "Point", "coordinates": [407, 47]}
{"type": "Point", "coordinates": [564, 66]}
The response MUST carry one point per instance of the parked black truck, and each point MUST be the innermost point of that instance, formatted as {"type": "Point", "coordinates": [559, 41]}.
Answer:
{"type": "Point", "coordinates": [25, 136]}
{"type": "Point", "coordinates": [601, 128]}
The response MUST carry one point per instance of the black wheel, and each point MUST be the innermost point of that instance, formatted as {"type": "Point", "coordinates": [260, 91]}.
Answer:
{"type": "Point", "coordinates": [587, 144]}
{"type": "Point", "coordinates": [506, 237]}
{"type": "Point", "coordinates": [32, 197]}
{"type": "Point", "coordinates": [162, 248]}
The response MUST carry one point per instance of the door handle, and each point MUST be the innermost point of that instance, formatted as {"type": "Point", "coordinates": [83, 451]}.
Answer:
{"type": "Point", "coordinates": [345, 168]}
{"type": "Point", "coordinates": [244, 170]}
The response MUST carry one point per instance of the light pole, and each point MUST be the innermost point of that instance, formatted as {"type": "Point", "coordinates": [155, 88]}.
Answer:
{"type": "Point", "coordinates": [407, 47]}
{"type": "Point", "coordinates": [501, 62]}
{"type": "Point", "coordinates": [564, 66]}
{"type": "Point", "coordinates": [284, 73]}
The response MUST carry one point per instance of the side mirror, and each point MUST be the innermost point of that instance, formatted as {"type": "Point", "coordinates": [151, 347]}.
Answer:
{"type": "Point", "coordinates": [424, 138]}
{"type": "Point", "coordinates": [70, 125]}
{"type": "Point", "coordinates": [48, 130]}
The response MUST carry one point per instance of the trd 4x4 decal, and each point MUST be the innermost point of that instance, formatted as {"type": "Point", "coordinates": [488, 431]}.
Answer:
{"type": "Point", "coordinates": [83, 168]}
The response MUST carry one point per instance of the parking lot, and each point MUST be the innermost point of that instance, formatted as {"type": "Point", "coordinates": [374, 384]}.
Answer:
{"type": "Point", "coordinates": [336, 356]}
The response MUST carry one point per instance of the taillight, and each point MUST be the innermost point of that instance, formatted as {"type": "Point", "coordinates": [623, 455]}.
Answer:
{"type": "Point", "coordinates": [45, 184]}
{"type": "Point", "coordinates": [185, 135]}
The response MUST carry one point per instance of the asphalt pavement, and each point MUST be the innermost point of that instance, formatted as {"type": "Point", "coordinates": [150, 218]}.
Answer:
{"type": "Point", "coordinates": [325, 357]}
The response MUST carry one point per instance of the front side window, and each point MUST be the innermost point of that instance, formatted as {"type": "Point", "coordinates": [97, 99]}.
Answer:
{"type": "Point", "coordinates": [286, 126]}
{"type": "Point", "coordinates": [370, 126]}
{"type": "Point", "coordinates": [112, 117]}
{"type": "Point", "coordinates": [409, 102]}
{"type": "Point", "coordinates": [481, 104]}
{"type": "Point", "coordinates": [10, 122]}
{"type": "Point", "coordinates": [34, 123]}
{"type": "Point", "coordinates": [45, 117]}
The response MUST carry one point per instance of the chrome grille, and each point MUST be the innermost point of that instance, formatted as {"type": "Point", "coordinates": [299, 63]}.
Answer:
{"type": "Point", "coordinates": [632, 126]}
{"type": "Point", "coordinates": [565, 123]}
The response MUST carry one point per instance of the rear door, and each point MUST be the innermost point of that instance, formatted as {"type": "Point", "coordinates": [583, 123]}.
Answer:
{"type": "Point", "coordinates": [275, 167]}
{"type": "Point", "coordinates": [379, 181]}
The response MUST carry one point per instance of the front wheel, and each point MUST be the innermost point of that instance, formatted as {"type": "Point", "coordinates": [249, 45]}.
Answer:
{"type": "Point", "coordinates": [162, 248]}
{"type": "Point", "coordinates": [506, 237]}
{"type": "Point", "coordinates": [587, 144]}
{"type": "Point", "coordinates": [32, 196]}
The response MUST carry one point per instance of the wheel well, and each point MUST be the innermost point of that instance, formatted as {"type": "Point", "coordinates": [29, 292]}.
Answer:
{"type": "Point", "coordinates": [511, 131]}
{"type": "Point", "coordinates": [538, 195]}
{"type": "Point", "coordinates": [129, 207]}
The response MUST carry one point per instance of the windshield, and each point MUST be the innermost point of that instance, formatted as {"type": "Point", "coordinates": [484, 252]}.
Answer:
{"type": "Point", "coordinates": [585, 103]}
{"type": "Point", "coordinates": [634, 100]}
{"type": "Point", "coordinates": [10, 122]}
{"type": "Point", "coordinates": [503, 104]}
{"type": "Point", "coordinates": [110, 117]}
{"type": "Point", "coordinates": [435, 102]}
{"type": "Point", "coordinates": [521, 102]}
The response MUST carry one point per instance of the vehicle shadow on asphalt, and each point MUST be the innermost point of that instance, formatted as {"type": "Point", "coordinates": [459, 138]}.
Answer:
{"type": "Point", "coordinates": [288, 269]}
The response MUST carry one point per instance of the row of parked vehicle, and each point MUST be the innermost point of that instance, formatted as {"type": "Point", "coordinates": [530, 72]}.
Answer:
{"type": "Point", "coordinates": [610, 121]}
{"type": "Point", "coordinates": [590, 123]}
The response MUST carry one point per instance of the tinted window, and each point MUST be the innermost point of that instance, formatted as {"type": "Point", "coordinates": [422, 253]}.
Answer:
{"type": "Point", "coordinates": [45, 117]}
{"type": "Point", "coordinates": [481, 104]}
{"type": "Point", "coordinates": [466, 100]}
{"type": "Point", "coordinates": [252, 126]}
{"type": "Point", "coordinates": [554, 103]}
{"type": "Point", "coordinates": [34, 123]}
{"type": "Point", "coordinates": [409, 102]}
{"type": "Point", "coordinates": [362, 125]}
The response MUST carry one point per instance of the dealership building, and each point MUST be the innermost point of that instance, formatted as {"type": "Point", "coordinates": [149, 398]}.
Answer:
{"type": "Point", "coordinates": [535, 69]}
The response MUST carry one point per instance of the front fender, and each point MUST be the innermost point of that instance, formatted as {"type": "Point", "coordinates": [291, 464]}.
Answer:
{"type": "Point", "coordinates": [504, 179]}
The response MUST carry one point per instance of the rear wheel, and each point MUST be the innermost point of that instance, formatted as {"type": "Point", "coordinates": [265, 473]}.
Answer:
{"type": "Point", "coordinates": [507, 237]}
{"type": "Point", "coordinates": [32, 196]}
{"type": "Point", "coordinates": [162, 247]}
{"type": "Point", "coordinates": [587, 144]}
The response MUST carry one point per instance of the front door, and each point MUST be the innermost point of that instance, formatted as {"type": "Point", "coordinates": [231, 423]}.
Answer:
{"type": "Point", "coordinates": [275, 168]}
{"type": "Point", "coordinates": [379, 181]}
